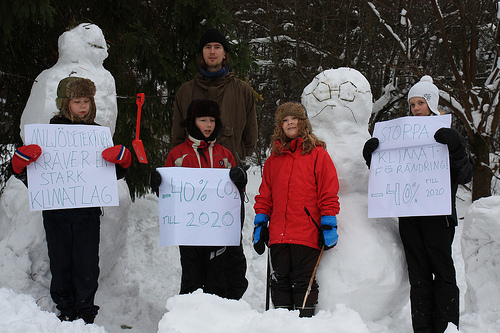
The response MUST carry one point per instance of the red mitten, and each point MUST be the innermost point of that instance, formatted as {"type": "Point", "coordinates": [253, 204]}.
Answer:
{"type": "Point", "coordinates": [25, 155]}
{"type": "Point", "coordinates": [118, 154]}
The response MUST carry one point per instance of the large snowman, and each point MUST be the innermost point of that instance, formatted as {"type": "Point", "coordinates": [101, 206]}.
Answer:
{"type": "Point", "coordinates": [82, 51]}
{"type": "Point", "coordinates": [366, 270]}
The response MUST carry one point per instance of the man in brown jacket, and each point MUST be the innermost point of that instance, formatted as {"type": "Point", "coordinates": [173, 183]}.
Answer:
{"type": "Point", "coordinates": [217, 83]}
{"type": "Point", "coordinates": [239, 133]}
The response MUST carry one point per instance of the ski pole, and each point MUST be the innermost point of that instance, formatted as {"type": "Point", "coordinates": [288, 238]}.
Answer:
{"type": "Point", "coordinates": [312, 278]}
{"type": "Point", "coordinates": [268, 278]}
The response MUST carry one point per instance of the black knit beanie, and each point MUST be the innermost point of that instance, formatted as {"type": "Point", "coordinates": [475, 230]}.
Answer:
{"type": "Point", "coordinates": [213, 36]}
{"type": "Point", "coordinates": [202, 108]}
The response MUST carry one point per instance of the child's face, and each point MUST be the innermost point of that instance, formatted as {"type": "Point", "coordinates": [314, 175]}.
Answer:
{"type": "Point", "coordinates": [419, 107]}
{"type": "Point", "coordinates": [290, 127]}
{"type": "Point", "coordinates": [206, 125]}
{"type": "Point", "coordinates": [79, 107]}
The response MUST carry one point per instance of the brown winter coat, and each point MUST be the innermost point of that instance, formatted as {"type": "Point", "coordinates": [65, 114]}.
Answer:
{"type": "Point", "coordinates": [237, 106]}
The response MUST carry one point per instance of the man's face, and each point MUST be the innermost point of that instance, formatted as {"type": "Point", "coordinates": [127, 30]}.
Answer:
{"type": "Point", "coordinates": [213, 54]}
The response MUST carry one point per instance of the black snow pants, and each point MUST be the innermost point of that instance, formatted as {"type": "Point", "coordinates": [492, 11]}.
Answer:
{"type": "Point", "coordinates": [293, 266]}
{"type": "Point", "coordinates": [203, 267]}
{"type": "Point", "coordinates": [434, 293]}
{"type": "Point", "coordinates": [236, 265]}
{"type": "Point", "coordinates": [73, 246]}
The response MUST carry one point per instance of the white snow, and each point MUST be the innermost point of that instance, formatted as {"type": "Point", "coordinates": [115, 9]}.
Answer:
{"type": "Point", "coordinates": [363, 283]}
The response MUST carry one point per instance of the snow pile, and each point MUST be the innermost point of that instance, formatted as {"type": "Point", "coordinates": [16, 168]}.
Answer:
{"type": "Point", "coordinates": [21, 314]}
{"type": "Point", "coordinates": [481, 252]}
{"type": "Point", "coordinates": [214, 314]}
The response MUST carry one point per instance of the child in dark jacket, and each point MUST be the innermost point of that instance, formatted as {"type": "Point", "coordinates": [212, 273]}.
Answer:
{"type": "Point", "coordinates": [298, 199]}
{"type": "Point", "coordinates": [202, 266]}
{"type": "Point", "coordinates": [73, 234]}
{"type": "Point", "coordinates": [427, 240]}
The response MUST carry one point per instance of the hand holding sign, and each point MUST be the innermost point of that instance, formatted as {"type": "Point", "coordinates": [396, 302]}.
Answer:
{"type": "Point", "coordinates": [70, 171]}
{"type": "Point", "coordinates": [24, 156]}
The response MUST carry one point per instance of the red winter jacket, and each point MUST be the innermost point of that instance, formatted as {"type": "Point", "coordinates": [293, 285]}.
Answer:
{"type": "Point", "coordinates": [291, 182]}
{"type": "Point", "coordinates": [195, 153]}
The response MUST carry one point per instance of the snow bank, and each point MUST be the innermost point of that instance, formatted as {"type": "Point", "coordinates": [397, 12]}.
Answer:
{"type": "Point", "coordinates": [20, 313]}
{"type": "Point", "coordinates": [481, 252]}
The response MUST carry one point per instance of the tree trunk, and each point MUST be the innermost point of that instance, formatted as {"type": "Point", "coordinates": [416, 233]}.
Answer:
{"type": "Point", "coordinates": [481, 183]}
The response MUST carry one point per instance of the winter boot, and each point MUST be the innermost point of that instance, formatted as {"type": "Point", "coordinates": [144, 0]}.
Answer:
{"type": "Point", "coordinates": [88, 318]}
{"type": "Point", "coordinates": [307, 311]}
{"type": "Point", "coordinates": [67, 316]}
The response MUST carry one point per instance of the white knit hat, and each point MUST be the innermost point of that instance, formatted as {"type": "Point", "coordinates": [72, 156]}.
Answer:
{"type": "Point", "coordinates": [428, 91]}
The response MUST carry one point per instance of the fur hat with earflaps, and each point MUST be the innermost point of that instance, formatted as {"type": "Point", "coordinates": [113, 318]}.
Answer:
{"type": "Point", "coordinates": [76, 87]}
{"type": "Point", "coordinates": [202, 108]}
{"type": "Point", "coordinates": [280, 141]}
{"type": "Point", "coordinates": [294, 110]}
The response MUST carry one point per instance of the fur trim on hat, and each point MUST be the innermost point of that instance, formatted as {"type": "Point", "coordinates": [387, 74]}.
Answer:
{"type": "Point", "coordinates": [76, 87]}
{"type": "Point", "coordinates": [290, 109]}
{"type": "Point", "coordinates": [280, 142]}
{"type": "Point", "coordinates": [80, 88]}
{"type": "Point", "coordinates": [426, 89]}
{"type": "Point", "coordinates": [202, 108]}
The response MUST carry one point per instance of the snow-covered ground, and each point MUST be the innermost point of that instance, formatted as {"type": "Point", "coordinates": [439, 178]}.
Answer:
{"type": "Point", "coordinates": [143, 298]}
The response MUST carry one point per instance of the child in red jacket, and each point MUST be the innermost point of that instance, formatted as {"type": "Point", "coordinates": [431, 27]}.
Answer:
{"type": "Point", "coordinates": [202, 266]}
{"type": "Point", "coordinates": [298, 204]}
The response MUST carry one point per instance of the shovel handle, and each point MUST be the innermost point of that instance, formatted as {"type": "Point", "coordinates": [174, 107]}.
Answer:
{"type": "Point", "coordinates": [140, 102]}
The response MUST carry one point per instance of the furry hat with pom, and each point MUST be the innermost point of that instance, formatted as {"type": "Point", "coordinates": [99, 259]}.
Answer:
{"type": "Point", "coordinates": [76, 87]}
{"type": "Point", "coordinates": [294, 110]}
{"type": "Point", "coordinates": [426, 89]}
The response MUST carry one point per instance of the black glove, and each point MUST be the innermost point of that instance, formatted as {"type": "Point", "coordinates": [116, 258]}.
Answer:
{"type": "Point", "coordinates": [155, 180]}
{"type": "Point", "coordinates": [368, 149]}
{"type": "Point", "coordinates": [239, 177]}
{"type": "Point", "coordinates": [449, 137]}
{"type": "Point", "coordinates": [263, 238]}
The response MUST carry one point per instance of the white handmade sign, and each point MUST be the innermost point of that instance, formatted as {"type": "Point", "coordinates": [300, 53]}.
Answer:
{"type": "Point", "coordinates": [198, 207]}
{"type": "Point", "coordinates": [409, 171]}
{"type": "Point", "coordinates": [71, 172]}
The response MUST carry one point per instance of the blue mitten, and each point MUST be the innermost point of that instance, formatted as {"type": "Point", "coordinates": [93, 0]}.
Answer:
{"type": "Point", "coordinates": [329, 229]}
{"type": "Point", "coordinates": [260, 233]}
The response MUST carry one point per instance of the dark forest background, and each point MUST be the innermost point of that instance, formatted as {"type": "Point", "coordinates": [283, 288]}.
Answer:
{"type": "Point", "coordinates": [278, 47]}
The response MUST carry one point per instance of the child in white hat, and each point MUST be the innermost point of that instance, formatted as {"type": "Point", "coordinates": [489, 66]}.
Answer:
{"type": "Point", "coordinates": [427, 240]}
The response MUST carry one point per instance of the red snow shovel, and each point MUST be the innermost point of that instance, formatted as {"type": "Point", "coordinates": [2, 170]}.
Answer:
{"type": "Point", "coordinates": [137, 144]}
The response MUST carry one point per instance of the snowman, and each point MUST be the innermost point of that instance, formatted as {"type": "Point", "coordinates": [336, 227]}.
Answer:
{"type": "Point", "coordinates": [366, 271]}
{"type": "Point", "coordinates": [82, 51]}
